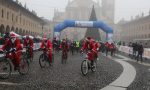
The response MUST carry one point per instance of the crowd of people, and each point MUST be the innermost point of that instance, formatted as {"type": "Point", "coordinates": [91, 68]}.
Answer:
{"type": "Point", "coordinates": [15, 45]}
{"type": "Point", "coordinates": [137, 51]}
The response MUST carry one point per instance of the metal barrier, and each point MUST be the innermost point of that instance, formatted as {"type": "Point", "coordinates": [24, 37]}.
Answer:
{"type": "Point", "coordinates": [129, 50]}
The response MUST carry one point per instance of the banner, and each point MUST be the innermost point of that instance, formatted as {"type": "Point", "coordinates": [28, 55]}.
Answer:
{"type": "Point", "coordinates": [83, 24]}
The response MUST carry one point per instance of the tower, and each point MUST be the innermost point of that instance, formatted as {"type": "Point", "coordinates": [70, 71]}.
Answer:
{"type": "Point", "coordinates": [108, 10]}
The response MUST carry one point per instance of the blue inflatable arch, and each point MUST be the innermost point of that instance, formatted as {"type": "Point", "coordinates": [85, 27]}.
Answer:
{"type": "Point", "coordinates": [84, 24]}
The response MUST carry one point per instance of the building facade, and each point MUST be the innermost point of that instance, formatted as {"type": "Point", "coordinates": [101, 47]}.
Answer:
{"type": "Point", "coordinates": [15, 17]}
{"type": "Point", "coordinates": [138, 28]}
{"type": "Point", "coordinates": [81, 10]}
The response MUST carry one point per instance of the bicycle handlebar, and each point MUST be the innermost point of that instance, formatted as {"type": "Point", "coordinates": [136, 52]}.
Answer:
{"type": "Point", "coordinates": [5, 52]}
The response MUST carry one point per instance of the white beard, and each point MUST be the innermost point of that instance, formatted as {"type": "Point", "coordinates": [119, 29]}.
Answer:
{"type": "Point", "coordinates": [13, 40]}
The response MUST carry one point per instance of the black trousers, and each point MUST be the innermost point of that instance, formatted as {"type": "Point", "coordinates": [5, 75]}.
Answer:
{"type": "Point", "coordinates": [140, 56]}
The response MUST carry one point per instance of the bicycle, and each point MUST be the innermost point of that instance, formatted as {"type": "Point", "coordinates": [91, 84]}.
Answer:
{"type": "Point", "coordinates": [44, 59]}
{"type": "Point", "coordinates": [27, 54]}
{"type": "Point", "coordinates": [7, 66]}
{"type": "Point", "coordinates": [86, 65]}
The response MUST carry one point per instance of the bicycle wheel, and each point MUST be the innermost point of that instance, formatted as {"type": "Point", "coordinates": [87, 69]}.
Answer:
{"type": "Point", "coordinates": [26, 57]}
{"type": "Point", "coordinates": [93, 68]}
{"type": "Point", "coordinates": [5, 69]}
{"type": "Point", "coordinates": [44, 61]}
{"type": "Point", "coordinates": [84, 67]}
{"type": "Point", "coordinates": [23, 67]}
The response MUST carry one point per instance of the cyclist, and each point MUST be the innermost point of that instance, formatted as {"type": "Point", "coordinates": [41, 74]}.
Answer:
{"type": "Point", "coordinates": [72, 47]}
{"type": "Point", "coordinates": [13, 44]}
{"type": "Point", "coordinates": [65, 47]}
{"type": "Point", "coordinates": [55, 44]}
{"type": "Point", "coordinates": [47, 45]}
{"type": "Point", "coordinates": [107, 45]}
{"type": "Point", "coordinates": [28, 42]}
{"type": "Point", "coordinates": [112, 48]}
{"type": "Point", "coordinates": [88, 46]}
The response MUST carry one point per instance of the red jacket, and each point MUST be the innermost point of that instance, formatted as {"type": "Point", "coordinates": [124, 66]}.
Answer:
{"type": "Point", "coordinates": [96, 46]}
{"type": "Point", "coordinates": [88, 46]}
{"type": "Point", "coordinates": [64, 46]}
{"type": "Point", "coordinates": [28, 42]}
{"type": "Point", "coordinates": [47, 45]}
{"type": "Point", "coordinates": [112, 46]}
{"type": "Point", "coordinates": [8, 45]}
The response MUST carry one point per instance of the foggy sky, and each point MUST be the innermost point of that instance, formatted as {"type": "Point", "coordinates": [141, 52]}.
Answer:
{"type": "Point", "coordinates": [123, 9]}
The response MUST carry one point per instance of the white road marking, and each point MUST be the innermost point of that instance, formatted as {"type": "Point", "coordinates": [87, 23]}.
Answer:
{"type": "Point", "coordinates": [125, 79]}
{"type": "Point", "coordinates": [10, 83]}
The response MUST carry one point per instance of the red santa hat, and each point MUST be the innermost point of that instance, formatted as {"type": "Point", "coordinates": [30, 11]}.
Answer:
{"type": "Point", "coordinates": [12, 35]}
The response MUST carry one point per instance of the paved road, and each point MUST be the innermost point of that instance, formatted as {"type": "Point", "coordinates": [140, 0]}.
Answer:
{"type": "Point", "coordinates": [142, 80]}
{"type": "Point", "coordinates": [64, 77]}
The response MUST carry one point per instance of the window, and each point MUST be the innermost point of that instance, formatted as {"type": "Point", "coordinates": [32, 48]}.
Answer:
{"type": "Point", "coordinates": [2, 13]}
{"type": "Point", "coordinates": [12, 17]}
{"type": "Point", "coordinates": [16, 18]}
{"type": "Point", "coordinates": [20, 19]}
{"type": "Point", "coordinates": [7, 15]}
{"type": "Point", "coordinates": [23, 21]}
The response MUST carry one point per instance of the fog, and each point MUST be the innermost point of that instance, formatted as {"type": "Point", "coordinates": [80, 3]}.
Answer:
{"type": "Point", "coordinates": [123, 8]}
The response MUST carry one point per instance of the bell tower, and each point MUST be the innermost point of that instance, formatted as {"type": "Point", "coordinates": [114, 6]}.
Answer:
{"type": "Point", "coordinates": [108, 10]}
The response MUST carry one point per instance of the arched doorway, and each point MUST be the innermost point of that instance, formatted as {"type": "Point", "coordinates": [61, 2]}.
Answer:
{"type": "Point", "coordinates": [27, 32]}
{"type": "Point", "coordinates": [23, 32]}
{"type": "Point", "coordinates": [2, 29]}
{"type": "Point", "coordinates": [32, 33]}
{"type": "Point", "coordinates": [20, 31]}
{"type": "Point", "coordinates": [16, 30]}
{"type": "Point", "coordinates": [12, 28]}
{"type": "Point", "coordinates": [7, 29]}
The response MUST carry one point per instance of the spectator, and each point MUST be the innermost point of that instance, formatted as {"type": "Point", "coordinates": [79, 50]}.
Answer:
{"type": "Point", "coordinates": [140, 52]}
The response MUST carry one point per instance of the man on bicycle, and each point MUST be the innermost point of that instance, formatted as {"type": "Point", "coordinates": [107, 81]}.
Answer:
{"type": "Point", "coordinates": [55, 44]}
{"type": "Point", "coordinates": [88, 46]}
{"type": "Point", "coordinates": [65, 47]}
{"type": "Point", "coordinates": [47, 45]}
{"type": "Point", "coordinates": [13, 45]}
{"type": "Point", "coordinates": [28, 42]}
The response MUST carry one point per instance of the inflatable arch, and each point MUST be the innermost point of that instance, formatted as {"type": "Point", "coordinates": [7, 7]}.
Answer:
{"type": "Point", "coordinates": [84, 24]}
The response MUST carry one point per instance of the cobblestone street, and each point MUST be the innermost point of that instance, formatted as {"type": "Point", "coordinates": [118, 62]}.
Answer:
{"type": "Point", "coordinates": [64, 76]}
